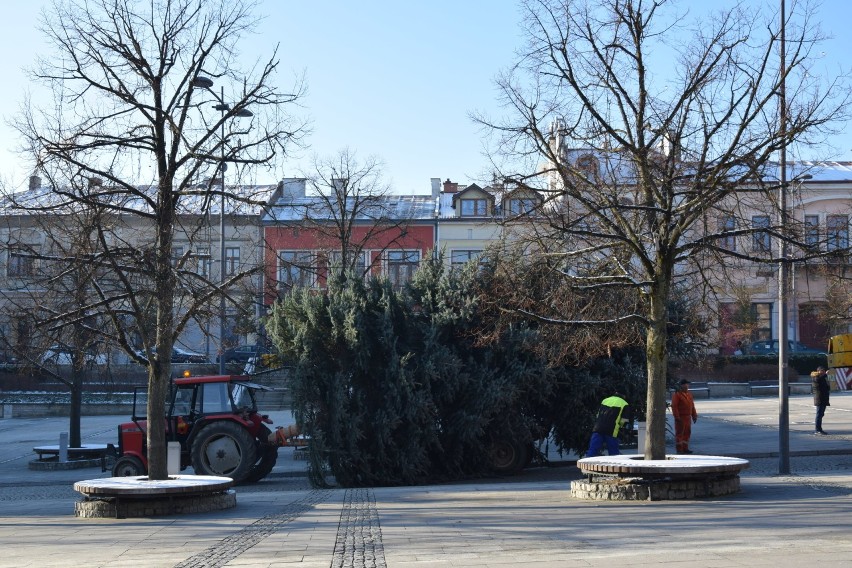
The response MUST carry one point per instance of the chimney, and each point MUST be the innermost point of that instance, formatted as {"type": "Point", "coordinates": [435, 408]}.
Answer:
{"type": "Point", "coordinates": [669, 146]}
{"type": "Point", "coordinates": [292, 188]}
{"type": "Point", "coordinates": [436, 187]}
{"type": "Point", "coordinates": [35, 182]}
{"type": "Point", "coordinates": [450, 187]}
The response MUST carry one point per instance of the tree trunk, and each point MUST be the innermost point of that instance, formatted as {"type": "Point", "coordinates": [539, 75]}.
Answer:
{"type": "Point", "coordinates": [74, 436]}
{"type": "Point", "coordinates": [158, 388]}
{"type": "Point", "coordinates": [160, 370]}
{"type": "Point", "coordinates": [657, 363]}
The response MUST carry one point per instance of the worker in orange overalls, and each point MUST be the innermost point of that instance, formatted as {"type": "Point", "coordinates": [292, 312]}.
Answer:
{"type": "Point", "coordinates": [683, 408]}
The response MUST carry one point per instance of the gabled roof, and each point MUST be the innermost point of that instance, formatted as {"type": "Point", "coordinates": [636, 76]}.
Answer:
{"type": "Point", "coordinates": [472, 188]}
{"type": "Point", "coordinates": [521, 192]}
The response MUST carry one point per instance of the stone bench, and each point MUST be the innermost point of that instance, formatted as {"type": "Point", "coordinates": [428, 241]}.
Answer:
{"type": "Point", "coordinates": [87, 455]}
{"type": "Point", "coordinates": [699, 389]}
{"type": "Point", "coordinates": [628, 465]}
{"type": "Point", "coordinates": [631, 477]}
{"type": "Point", "coordinates": [760, 387]}
{"type": "Point", "coordinates": [84, 452]}
{"type": "Point", "coordinates": [123, 497]}
{"type": "Point", "coordinates": [771, 387]}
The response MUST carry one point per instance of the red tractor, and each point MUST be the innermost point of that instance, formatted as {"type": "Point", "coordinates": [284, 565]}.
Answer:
{"type": "Point", "coordinates": [215, 420]}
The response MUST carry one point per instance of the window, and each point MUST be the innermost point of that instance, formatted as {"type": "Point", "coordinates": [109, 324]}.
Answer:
{"type": "Point", "coordinates": [474, 207]}
{"type": "Point", "coordinates": [242, 397]}
{"type": "Point", "coordinates": [837, 232]}
{"type": "Point", "coordinates": [20, 264]}
{"type": "Point", "coordinates": [401, 265]}
{"type": "Point", "coordinates": [522, 206]}
{"type": "Point", "coordinates": [358, 265]}
{"type": "Point", "coordinates": [761, 314]}
{"type": "Point", "coordinates": [177, 254]}
{"type": "Point", "coordinates": [726, 225]}
{"type": "Point", "coordinates": [232, 260]}
{"type": "Point", "coordinates": [760, 240]}
{"type": "Point", "coordinates": [202, 262]}
{"type": "Point", "coordinates": [216, 398]}
{"type": "Point", "coordinates": [459, 258]}
{"type": "Point", "coordinates": [587, 165]}
{"type": "Point", "coordinates": [295, 269]}
{"type": "Point", "coordinates": [183, 400]}
{"type": "Point", "coordinates": [812, 231]}
{"type": "Point", "coordinates": [23, 332]}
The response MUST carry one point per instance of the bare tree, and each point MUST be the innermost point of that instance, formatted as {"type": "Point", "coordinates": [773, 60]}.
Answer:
{"type": "Point", "coordinates": [129, 134]}
{"type": "Point", "coordinates": [644, 134]}
{"type": "Point", "coordinates": [347, 219]}
{"type": "Point", "coordinates": [48, 295]}
{"type": "Point", "coordinates": [838, 296]}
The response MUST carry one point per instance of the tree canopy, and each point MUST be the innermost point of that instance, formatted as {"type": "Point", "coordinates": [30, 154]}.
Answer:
{"type": "Point", "coordinates": [136, 131]}
{"type": "Point", "coordinates": [644, 130]}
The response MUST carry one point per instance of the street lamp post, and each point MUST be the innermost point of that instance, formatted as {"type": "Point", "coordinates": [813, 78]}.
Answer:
{"type": "Point", "coordinates": [223, 108]}
{"type": "Point", "coordinates": [783, 395]}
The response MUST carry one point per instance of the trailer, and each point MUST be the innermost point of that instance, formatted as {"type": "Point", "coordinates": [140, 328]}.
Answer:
{"type": "Point", "coordinates": [840, 360]}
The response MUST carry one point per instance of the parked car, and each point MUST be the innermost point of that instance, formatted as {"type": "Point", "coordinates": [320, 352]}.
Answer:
{"type": "Point", "coordinates": [7, 359]}
{"type": "Point", "coordinates": [243, 353]}
{"type": "Point", "coordinates": [57, 355]}
{"type": "Point", "coordinates": [185, 356]}
{"type": "Point", "coordinates": [770, 347]}
{"type": "Point", "coordinates": [180, 356]}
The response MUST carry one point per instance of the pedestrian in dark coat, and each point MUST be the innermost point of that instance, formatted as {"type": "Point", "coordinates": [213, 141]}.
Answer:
{"type": "Point", "coordinates": [819, 383]}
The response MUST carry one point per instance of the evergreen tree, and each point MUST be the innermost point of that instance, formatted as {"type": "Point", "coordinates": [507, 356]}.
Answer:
{"type": "Point", "coordinates": [402, 387]}
{"type": "Point", "coordinates": [393, 387]}
{"type": "Point", "coordinates": [354, 391]}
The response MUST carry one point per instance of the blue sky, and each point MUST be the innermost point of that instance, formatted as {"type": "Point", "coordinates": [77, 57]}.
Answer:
{"type": "Point", "coordinates": [398, 79]}
{"type": "Point", "coordinates": [387, 78]}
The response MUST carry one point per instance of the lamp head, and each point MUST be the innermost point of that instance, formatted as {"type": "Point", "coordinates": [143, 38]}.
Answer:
{"type": "Point", "coordinates": [202, 82]}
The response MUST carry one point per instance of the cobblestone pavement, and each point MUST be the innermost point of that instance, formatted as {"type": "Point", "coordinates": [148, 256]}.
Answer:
{"type": "Point", "coordinates": [359, 535]}
{"type": "Point", "coordinates": [529, 520]}
{"type": "Point", "coordinates": [801, 465]}
{"type": "Point", "coordinates": [38, 491]}
{"type": "Point", "coordinates": [235, 544]}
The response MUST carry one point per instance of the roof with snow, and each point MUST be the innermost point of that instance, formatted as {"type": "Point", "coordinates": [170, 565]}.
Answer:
{"type": "Point", "coordinates": [240, 199]}
{"type": "Point", "coordinates": [370, 209]}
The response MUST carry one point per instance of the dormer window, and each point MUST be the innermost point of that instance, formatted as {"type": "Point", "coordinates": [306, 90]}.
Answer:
{"type": "Point", "coordinates": [474, 207]}
{"type": "Point", "coordinates": [473, 201]}
{"type": "Point", "coordinates": [521, 206]}
{"type": "Point", "coordinates": [587, 165]}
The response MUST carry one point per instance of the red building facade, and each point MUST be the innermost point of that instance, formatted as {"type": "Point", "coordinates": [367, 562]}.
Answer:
{"type": "Point", "coordinates": [305, 236]}
{"type": "Point", "coordinates": [302, 255]}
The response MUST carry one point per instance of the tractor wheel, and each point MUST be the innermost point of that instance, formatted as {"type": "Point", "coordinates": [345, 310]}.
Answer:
{"type": "Point", "coordinates": [128, 466]}
{"type": "Point", "coordinates": [268, 456]}
{"type": "Point", "coordinates": [223, 449]}
{"type": "Point", "coordinates": [508, 456]}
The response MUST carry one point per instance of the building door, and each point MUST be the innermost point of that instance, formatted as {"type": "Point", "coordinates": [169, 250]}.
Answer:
{"type": "Point", "coordinates": [813, 331]}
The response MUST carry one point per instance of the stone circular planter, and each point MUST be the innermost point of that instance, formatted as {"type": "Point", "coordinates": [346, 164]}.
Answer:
{"type": "Point", "coordinates": [124, 497]}
{"type": "Point", "coordinates": [632, 477]}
